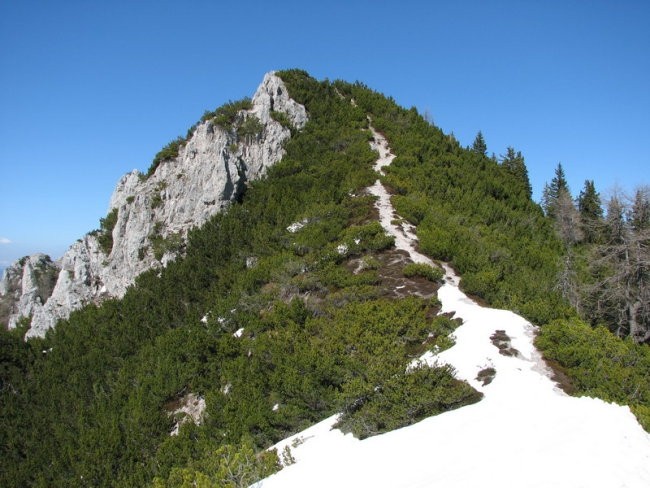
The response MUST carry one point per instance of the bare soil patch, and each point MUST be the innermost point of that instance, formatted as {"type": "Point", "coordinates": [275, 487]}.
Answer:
{"type": "Point", "coordinates": [502, 341]}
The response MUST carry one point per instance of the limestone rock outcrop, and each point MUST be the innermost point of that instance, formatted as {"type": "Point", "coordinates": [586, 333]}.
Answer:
{"type": "Point", "coordinates": [150, 215]}
{"type": "Point", "coordinates": [27, 284]}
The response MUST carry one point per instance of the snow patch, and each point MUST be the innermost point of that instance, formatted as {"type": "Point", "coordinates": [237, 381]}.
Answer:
{"type": "Point", "coordinates": [296, 226]}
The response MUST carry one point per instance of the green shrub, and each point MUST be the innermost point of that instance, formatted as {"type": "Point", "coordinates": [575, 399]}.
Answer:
{"type": "Point", "coordinates": [423, 270]}
{"type": "Point", "coordinates": [600, 364]}
{"type": "Point", "coordinates": [228, 466]}
{"type": "Point", "coordinates": [226, 115]}
{"type": "Point", "coordinates": [156, 200]}
{"type": "Point", "coordinates": [405, 399]}
{"type": "Point", "coordinates": [105, 234]}
{"type": "Point", "coordinates": [283, 119]}
{"type": "Point", "coordinates": [170, 151]}
{"type": "Point", "coordinates": [251, 128]}
{"type": "Point", "coordinates": [173, 243]}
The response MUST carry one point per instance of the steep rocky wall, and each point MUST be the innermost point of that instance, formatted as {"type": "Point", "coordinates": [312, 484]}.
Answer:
{"type": "Point", "coordinates": [26, 285]}
{"type": "Point", "coordinates": [154, 213]}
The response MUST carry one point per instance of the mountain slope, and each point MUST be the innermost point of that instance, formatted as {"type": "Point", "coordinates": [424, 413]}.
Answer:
{"type": "Point", "coordinates": [291, 306]}
{"type": "Point", "coordinates": [525, 424]}
{"type": "Point", "coordinates": [525, 432]}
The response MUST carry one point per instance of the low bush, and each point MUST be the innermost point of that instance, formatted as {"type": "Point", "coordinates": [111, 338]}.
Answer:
{"type": "Point", "coordinates": [226, 115]}
{"type": "Point", "coordinates": [170, 151]}
{"type": "Point", "coordinates": [424, 271]}
{"type": "Point", "coordinates": [600, 364]}
{"type": "Point", "coordinates": [105, 234]}
{"type": "Point", "coordinates": [405, 399]}
{"type": "Point", "coordinates": [283, 119]}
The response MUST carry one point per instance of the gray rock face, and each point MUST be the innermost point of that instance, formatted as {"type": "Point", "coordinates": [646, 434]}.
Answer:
{"type": "Point", "coordinates": [155, 213]}
{"type": "Point", "coordinates": [26, 285]}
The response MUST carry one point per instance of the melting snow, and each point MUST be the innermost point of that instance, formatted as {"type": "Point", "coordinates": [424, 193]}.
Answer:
{"type": "Point", "coordinates": [524, 433]}
{"type": "Point", "coordinates": [296, 226]}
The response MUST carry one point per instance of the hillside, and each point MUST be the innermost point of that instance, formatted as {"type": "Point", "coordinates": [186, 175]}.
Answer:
{"type": "Point", "coordinates": [524, 423]}
{"type": "Point", "coordinates": [295, 304]}
{"type": "Point", "coordinates": [525, 432]}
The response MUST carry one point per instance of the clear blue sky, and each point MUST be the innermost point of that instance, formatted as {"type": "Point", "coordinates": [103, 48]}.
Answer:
{"type": "Point", "coordinates": [90, 90]}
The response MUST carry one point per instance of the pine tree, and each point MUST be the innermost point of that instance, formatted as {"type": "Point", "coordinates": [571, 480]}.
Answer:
{"type": "Point", "coordinates": [553, 191]}
{"type": "Point", "coordinates": [591, 211]}
{"type": "Point", "coordinates": [640, 218]}
{"type": "Point", "coordinates": [514, 163]}
{"type": "Point", "coordinates": [479, 145]}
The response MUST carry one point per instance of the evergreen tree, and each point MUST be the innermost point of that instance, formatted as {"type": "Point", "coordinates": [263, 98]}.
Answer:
{"type": "Point", "coordinates": [552, 192]}
{"type": "Point", "coordinates": [514, 163]}
{"type": "Point", "coordinates": [591, 211]}
{"type": "Point", "coordinates": [641, 210]}
{"type": "Point", "coordinates": [479, 145]}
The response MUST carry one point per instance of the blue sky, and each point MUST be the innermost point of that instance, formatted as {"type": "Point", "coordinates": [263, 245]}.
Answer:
{"type": "Point", "coordinates": [90, 90]}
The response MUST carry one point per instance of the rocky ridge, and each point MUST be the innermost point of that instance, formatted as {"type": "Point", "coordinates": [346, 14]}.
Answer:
{"type": "Point", "coordinates": [151, 215]}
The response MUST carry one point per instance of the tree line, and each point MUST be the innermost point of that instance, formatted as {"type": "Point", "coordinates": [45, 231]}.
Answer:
{"type": "Point", "coordinates": [605, 272]}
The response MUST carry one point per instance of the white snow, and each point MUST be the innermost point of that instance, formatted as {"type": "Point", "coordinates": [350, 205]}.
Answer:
{"type": "Point", "coordinates": [380, 144]}
{"type": "Point", "coordinates": [296, 226]}
{"type": "Point", "coordinates": [525, 433]}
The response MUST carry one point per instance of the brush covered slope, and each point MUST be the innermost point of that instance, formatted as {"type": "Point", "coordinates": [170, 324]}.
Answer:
{"type": "Point", "coordinates": [288, 308]}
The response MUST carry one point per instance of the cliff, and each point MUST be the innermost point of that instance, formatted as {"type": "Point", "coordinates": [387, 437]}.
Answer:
{"type": "Point", "coordinates": [150, 215]}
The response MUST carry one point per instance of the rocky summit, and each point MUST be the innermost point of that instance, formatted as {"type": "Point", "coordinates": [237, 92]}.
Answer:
{"type": "Point", "coordinates": [150, 214]}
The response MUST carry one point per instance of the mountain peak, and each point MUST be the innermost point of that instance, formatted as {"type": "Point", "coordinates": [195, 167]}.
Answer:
{"type": "Point", "coordinates": [150, 215]}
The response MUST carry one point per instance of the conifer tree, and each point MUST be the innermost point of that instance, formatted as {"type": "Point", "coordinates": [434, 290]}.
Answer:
{"type": "Point", "coordinates": [591, 211]}
{"type": "Point", "coordinates": [479, 145]}
{"type": "Point", "coordinates": [553, 191]}
{"type": "Point", "coordinates": [514, 163]}
{"type": "Point", "coordinates": [641, 210]}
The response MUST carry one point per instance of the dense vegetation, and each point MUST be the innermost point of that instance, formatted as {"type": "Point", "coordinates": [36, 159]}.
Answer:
{"type": "Point", "coordinates": [270, 325]}
{"type": "Point", "coordinates": [599, 364]}
{"type": "Point", "coordinates": [605, 271]}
